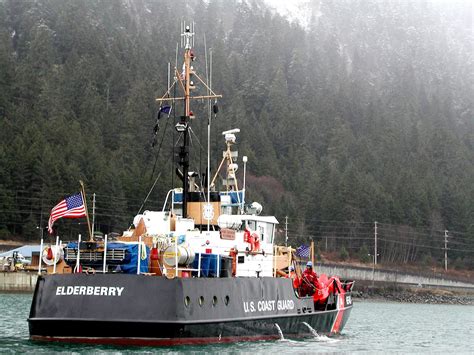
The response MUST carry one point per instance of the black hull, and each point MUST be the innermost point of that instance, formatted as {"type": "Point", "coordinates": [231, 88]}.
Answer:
{"type": "Point", "coordinates": [154, 311]}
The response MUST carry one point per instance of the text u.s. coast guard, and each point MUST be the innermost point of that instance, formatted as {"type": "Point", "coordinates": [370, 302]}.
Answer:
{"type": "Point", "coordinates": [89, 291]}
{"type": "Point", "coordinates": [268, 306]}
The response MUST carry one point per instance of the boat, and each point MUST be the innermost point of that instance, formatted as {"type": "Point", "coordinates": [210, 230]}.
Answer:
{"type": "Point", "coordinates": [203, 269]}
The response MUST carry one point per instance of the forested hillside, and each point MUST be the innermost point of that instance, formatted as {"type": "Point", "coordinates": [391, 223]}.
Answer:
{"type": "Point", "coordinates": [365, 116]}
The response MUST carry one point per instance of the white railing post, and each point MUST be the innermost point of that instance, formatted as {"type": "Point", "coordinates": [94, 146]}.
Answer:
{"type": "Point", "coordinates": [55, 253]}
{"type": "Point", "coordinates": [93, 214]}
{"type": "Point", "coordinates": [40, 257]}
{"type": "Point", "coordinates": [199, 265]}
{"type": "Point", "coordinates": [78, 265]}
{"type": "Point", "coordinates": [105, 255]}
{"type": "Point", "coordinates": [139, 254]}
{"type": "Point", "coordinates": [176, 256]}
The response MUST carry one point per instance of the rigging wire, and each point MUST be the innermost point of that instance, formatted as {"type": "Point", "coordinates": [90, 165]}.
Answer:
{"type": "Point", "coordinates": [158, 152]}
{"type": "Point", "coordinates": [149, 192]}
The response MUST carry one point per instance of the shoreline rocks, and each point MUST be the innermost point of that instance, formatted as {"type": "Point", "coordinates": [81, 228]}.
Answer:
{"type": "Point", "coordinates": [429, 296]}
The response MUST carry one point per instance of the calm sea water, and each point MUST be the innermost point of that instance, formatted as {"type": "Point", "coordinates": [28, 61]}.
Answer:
{"type": "Point", "coordinates": [374, 327]}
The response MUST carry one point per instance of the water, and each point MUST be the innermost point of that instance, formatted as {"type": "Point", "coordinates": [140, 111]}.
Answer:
{"type": "Point", "coordinates": [374, 327]}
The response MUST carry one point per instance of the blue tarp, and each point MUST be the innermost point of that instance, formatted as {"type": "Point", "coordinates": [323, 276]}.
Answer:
{"type": "Point", "coordinates": [131, 267]}
{"type": "Point", "coordinates": [130, 263]}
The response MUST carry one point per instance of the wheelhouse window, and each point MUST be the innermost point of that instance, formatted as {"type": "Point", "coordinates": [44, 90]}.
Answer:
{"type": "Point", "coordinates": [261, 231]}
{"type": "Point", "coordinates": [270, 232]}
{"type": "Point", "coordinates": [252, 225]}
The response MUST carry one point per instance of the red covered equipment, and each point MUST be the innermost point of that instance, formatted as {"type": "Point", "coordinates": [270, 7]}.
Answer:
{"type": "Point", "coordinates": [326, 286]}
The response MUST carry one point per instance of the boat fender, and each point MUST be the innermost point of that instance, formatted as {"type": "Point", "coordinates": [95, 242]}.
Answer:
{"type": "Point", "coordinates": [233, 254]}
{"type": "Point", "coordinates": [49, 255]}
{"type": "Point", "coordinates": [154, 255]}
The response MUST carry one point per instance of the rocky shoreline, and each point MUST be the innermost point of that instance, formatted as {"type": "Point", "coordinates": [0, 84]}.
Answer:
{"type": "Point", "coordinates": [416, 295]}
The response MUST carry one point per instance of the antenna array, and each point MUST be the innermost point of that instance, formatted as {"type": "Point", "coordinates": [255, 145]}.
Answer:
{"type": "Point", "coordinates": [187, 35]}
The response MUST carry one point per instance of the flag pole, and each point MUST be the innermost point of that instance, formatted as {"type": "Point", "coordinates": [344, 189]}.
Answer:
{"type": "Point", "coordinates": [312, 252]}
{"type": "Point", "coordinates": [83, 193]}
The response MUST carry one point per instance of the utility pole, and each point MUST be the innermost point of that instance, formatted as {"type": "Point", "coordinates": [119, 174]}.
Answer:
{"type": "Point", "coordinates": [286, 231]}
{"type": "Point", "coordinates": [375, 245]}
{"type": "Point", "coordinates": [445, 250]}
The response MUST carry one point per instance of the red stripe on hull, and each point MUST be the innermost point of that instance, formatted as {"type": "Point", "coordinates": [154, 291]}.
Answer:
{"type": "Point", "coordinates": [155, 342]}
{"type": "Point", "coordinates": [336, 327]}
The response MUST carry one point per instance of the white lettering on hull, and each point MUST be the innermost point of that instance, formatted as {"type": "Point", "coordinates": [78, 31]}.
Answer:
{"type": "Point", "coordinates": [269, 306]}
{"type": "Point", "coordinates": [89, 291]}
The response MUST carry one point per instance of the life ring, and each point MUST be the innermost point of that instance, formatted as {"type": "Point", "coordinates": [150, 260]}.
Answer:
{"type": "Point", "coordinates": [49, 253]}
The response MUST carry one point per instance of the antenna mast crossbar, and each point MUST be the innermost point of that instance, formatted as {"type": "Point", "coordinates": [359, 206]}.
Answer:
{"type": "Point", "coordinates": [192, 97]}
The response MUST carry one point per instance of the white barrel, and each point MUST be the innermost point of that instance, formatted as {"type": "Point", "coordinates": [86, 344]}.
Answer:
{"type": "Point", "coordinates": [185, 255]}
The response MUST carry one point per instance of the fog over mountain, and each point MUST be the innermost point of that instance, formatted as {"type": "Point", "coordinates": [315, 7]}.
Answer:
{"type": "Point", "coordinates": [356, 110]}
{"type": "Point", "coordinates": [305, 12]}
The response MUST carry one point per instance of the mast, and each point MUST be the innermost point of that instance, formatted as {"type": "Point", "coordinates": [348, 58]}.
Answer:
{"type": "Point", "coordinates": [183, 80]}
{"type": "Point", "coordinates": [188, 37]}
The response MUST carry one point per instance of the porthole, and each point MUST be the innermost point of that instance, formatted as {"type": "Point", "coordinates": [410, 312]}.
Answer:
{"type": "Point", "coordinates": [187, 301]}
{"type": "Point", "coordinates": [226, 300]}
{"type": "Point", "coordinates": [214, 301]}
{"type": "Point", "coordinates": [201, 300]}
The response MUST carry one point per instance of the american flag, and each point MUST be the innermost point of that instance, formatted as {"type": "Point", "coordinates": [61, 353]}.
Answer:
{"type": "Point", "coordinates": [303, 251]}
{"type": "Point", "coordinates": [71, 207]}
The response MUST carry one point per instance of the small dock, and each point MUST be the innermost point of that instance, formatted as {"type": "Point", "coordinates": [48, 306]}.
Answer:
{"type": "Point", "coordinates": [18, 281]}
